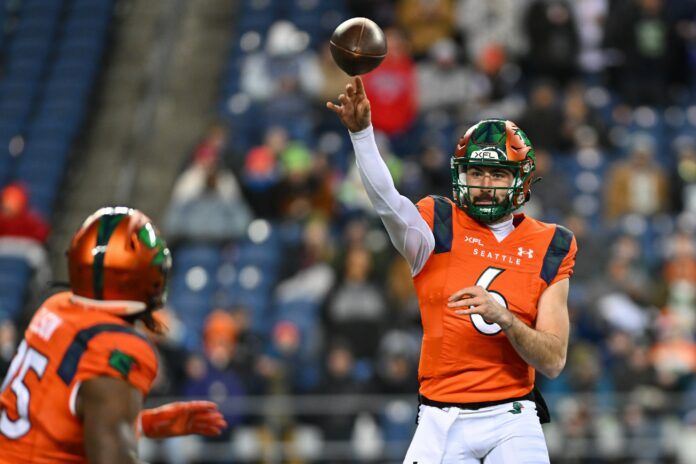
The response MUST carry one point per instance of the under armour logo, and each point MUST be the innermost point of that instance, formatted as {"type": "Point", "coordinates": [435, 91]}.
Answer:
{"type": "Point", "coordinates": [522, 251]}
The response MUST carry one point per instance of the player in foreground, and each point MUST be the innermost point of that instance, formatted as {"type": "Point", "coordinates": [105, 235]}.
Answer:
{"type": "Point", "coordinates": [492, 288]}
{"type": "Point", "coordinates": [75, 388]}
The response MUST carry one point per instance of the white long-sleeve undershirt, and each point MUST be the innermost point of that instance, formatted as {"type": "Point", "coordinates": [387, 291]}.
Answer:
{"type": "Point", "coordinates": [408, 231]}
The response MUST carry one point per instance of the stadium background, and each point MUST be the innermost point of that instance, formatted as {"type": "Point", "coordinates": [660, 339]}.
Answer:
{"type": "Point", "coordinates": [287, 304]}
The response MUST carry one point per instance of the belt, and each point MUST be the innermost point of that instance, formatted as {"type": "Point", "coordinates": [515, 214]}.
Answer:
{"type": "Point", "coordinates": [483, 404]}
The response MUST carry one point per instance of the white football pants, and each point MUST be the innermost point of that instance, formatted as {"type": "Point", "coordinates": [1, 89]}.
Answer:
{"type": "Point", "coordinates": [501, 434]}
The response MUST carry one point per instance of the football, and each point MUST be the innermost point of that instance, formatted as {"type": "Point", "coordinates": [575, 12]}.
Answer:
{"type": "Point", "coordinates": [358, 46]}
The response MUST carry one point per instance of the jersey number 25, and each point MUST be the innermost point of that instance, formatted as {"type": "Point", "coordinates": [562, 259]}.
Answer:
{"type": "Point", "coordinates": [25, 359]}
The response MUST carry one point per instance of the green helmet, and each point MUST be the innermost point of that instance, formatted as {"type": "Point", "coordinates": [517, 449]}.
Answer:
{"type": "Point", "coordinates": [495, 143]}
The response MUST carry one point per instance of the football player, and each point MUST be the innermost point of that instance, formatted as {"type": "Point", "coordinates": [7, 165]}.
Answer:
{"type": "Point", "coordinates": [75, 388]}
{"type": "Point", "coordinates": [492, 287]}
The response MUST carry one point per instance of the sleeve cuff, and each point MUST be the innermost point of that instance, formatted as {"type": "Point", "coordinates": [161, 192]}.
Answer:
{"type": "Point", "coordinates": [361, 135]}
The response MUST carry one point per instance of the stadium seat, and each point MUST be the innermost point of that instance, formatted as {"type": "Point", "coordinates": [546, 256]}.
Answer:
{"type": "Point", "coordinates": [14, 278]}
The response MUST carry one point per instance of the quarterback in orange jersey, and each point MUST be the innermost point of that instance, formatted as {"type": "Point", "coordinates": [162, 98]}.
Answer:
{"type": "Point", "coordinates": [74, 390]}
{"type": "Point", "coordinates": [492, 287]}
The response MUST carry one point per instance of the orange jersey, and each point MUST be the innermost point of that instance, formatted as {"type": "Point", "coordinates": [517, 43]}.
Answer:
{"type": "Point", "coordinates": [64, 345]}
{"type": "Point", "coordinates": [464, 359]}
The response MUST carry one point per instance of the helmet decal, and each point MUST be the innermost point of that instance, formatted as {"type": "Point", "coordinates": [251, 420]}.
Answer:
{"type": "Point", "coordinates": [149, 237]}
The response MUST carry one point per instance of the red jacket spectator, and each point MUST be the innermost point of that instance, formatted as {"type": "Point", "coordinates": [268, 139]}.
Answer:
{"type": "Point", "coordinates": [16, 218]}
{"type": "Point", "coordinates": [393, 88]}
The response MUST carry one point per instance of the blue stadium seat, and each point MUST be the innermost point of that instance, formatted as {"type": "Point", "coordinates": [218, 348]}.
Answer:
{"type": "Point", "coordinates": [14, 279]}
{"type": "Point", "coordinates": [197, 255]}
{"type": "Point", "coordinates": [25, 67]}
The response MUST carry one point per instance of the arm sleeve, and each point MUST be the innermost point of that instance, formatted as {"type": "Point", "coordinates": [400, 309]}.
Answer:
{"type": "Point", "coordinates": [566, 268]}
{"type": "Point", "coordinates": [408, 231]}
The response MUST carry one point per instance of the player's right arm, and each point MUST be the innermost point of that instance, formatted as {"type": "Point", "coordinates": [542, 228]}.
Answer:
{"type": "Point", "coordinates": [408, 231]}
{"type": "Point", "coordinates": [108, 408]}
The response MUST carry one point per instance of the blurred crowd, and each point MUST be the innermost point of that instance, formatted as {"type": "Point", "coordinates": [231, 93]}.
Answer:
{"type": "Point", "coordinates": [605, 91]}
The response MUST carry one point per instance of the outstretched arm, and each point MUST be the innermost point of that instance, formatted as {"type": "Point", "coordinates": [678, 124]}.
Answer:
{"type": "Point", "coordinates": [408, 231]}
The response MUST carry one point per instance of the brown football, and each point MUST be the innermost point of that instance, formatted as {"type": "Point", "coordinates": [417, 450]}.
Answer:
{"type": "Point", "coordinates": [358, 46]}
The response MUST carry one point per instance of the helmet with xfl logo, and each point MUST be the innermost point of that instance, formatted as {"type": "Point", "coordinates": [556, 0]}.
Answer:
{"type": "Point", "coordinates": [493, 143]}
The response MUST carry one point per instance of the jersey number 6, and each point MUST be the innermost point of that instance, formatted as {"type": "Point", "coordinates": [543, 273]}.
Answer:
{"type": "Point", "coordinates": [486, 279]}
{"type": "Point", "coordinates": [25, 359]}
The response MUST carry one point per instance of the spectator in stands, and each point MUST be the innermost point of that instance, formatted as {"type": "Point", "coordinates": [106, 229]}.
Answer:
{"type": "Point", "coordinates": [425, 22]}
{"type": "Point", "coordinates": [493, 22]}
{"type": "Point", "coordinates": [444, 83]}
{"type": "Point", "coordinates": [679, 272]}
{"type": "Point", "coordinates": [640, 424]}
{"type": "Point", "coordinates": [587, 375]}
{"type": "Point", "coordinates": [23, 232]}
{"type": "Point", "coordinates": [640, 37]}
{"type": "Point", "coordinates": [17, 219]}
{"type": "Point", "coordinates": [397, 363]}
{"type": "Point", "coordinates": [553, 40]}
{"type": "Point", "coordinates": [626, 296]}
{"type": "Point", "coordinates": [550, 195]}
{"type": "Point", "coordinates": [435, 170]}
{"type": "Point", "coordinates": [673, 355]}
{"type": "Point", "coordinates": [285, 76]}
{"type": "Point", "coordinates": [285, 66]}
{"type": "Point", "coordinates": [209, 216]}
{"type": "Point", "coordinates": [207, 203]}
{"type": "Point", "coordinates": [680, 262]}
{"type": "Point", "coordinates": [393, 90]}
{"type": "Point", "coordinates": [581, 127]}
{"type": "Point", "coordinates": [213, 145]}
{"type": "Point", "coordinates": [262, 173]}
{"type": "Point", "coordinates": [210, 375]}
{"type": "Point", "coordinates": [360, 231]}
{"type": "Point", "coordinates": [501, 76]}
{"type": "Point", "coordinates": [306, 183]}
{"type": "Point", "coordinates": [638, 184]}
{"type": "Point", "coordinates": [290, 366]}
{"type": "Point", "coordinates": [683, 178]}
{"type": "Point", "coordinates": [305, 272]}
{"type": "Point", "coordinates": [8, 344]}
{"type": "Point", "coordinates": [207, 157]}
{"type": "Point", "coordinates": [339, 378]}
{"type": "Point", "coordinates": [356, 309]}
{"type": "Point", "coordinates": [590, 18]}
{"type": "Point", "coordinates": [543, 112]}
{"type": "Point", "coordinates": [629, 362]}
{"type": "Point", "coordinates": [594, 252]}
{"type": "Point", "coordinates": [248, 348]}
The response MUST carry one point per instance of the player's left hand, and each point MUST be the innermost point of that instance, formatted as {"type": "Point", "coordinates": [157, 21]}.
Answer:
{"type": "Point", "coordinates": [477, 300]}
{"type": "Point", "coordinates": [183, 418]}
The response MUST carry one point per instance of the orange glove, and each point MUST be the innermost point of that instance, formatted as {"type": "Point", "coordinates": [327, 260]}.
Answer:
{"type": "Point", "coordinates": [182, 418]}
